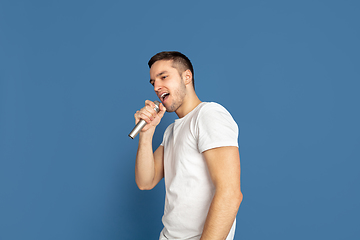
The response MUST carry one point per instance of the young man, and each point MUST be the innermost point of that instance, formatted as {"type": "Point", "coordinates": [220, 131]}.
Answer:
{"type": "Point", "coordinates": [198, 157]}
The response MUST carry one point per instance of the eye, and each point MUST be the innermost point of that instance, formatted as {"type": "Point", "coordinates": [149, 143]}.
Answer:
{"type": "Point", "coordinates": [163, 77]}
{"type": "Point", "coordinates": [152, 82]}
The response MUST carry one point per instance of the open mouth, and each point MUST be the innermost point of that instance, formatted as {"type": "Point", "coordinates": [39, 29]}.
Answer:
{"type": "Point", "coordinates": [164, 96]}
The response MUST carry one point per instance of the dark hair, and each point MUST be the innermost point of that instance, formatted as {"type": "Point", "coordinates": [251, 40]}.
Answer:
{"type": "Point", "coordinates": [180, 61]}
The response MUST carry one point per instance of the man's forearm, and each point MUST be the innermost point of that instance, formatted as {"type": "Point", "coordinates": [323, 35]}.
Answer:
{"type": "Point", "coordinates": [145, 166]}
{"type": "Point", "coordinates": [221, 215]}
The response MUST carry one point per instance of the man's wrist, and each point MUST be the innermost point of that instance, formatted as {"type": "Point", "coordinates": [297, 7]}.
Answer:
{"type": "Point", "coordinates": [147, 135]}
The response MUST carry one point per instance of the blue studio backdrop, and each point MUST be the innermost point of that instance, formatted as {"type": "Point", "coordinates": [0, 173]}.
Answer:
{"type": "Point", "coordinates": [73, 73]}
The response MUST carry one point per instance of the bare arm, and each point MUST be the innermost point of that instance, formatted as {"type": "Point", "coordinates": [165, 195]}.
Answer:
{"type": "Point", "coordinates": [224, 168]}
{"type": "Point", "coordinates": [149, 167]}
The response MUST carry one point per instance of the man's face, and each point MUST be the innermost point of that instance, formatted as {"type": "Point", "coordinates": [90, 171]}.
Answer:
{"type": "Point", "coordinates": [168, 84]}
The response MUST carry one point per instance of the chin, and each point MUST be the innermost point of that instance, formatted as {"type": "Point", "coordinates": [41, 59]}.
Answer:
{"type": "Point", "coordinates": [170, 108]}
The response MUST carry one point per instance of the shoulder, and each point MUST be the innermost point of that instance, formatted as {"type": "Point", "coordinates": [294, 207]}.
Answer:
{"type": "Point", "coordinates": [209, 109]}
{"type": "Point", "coordinates": [212, 106]}
{"type": "Point", "coordinates": [167, 134]}
{"type": "Point", "coordinates": [215, 127]}
{"type": "Point", "coordinates": [169, 129]}
{"type": "Point", "coordinates": [214, 114]}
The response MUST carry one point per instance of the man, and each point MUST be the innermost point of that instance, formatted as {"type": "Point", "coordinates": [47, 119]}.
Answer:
{"type": "Point", "coordinates": [199, 156]}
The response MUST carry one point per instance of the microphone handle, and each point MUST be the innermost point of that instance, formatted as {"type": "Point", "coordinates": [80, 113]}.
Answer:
{"type": "Point", "coordinates": [137, 128]}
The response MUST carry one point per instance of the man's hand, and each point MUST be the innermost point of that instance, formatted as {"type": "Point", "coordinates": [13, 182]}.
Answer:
{"type": "Point", "coordinates": [149, 115]}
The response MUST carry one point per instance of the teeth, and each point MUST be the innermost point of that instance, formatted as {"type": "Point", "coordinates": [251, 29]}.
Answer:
{"type": "Point", "coordinates": [163, 95]}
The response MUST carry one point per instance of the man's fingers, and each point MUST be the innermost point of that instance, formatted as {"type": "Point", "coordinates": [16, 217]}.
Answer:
{"type": "Point", "coordinates": [149, 114]}
{"type": "Point", "coordinates": [162, 110]}
{"type": "Point", "coordinates": [150, 103]}
{"type": "Point", "coordinates": [143, 114]}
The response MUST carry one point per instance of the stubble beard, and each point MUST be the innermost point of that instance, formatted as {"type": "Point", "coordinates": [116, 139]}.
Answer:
{"type": "Point", "coordinates": [178, 98]}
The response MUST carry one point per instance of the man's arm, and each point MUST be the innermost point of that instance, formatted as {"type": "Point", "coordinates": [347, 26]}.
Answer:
{"type": "Point", "coordinates": [149, 165]}
{"type": "Point", "coordinates": [224, 167]}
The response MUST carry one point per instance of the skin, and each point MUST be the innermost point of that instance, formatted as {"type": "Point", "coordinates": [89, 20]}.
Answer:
{"type": "Point", "coordinates": [223, 162]}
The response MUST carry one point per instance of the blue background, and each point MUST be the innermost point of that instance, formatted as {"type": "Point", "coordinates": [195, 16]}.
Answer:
{"type": "Point", "coordinates": [72, 74]}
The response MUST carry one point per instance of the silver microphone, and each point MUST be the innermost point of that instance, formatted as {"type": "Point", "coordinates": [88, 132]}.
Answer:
{"type": "Point", "coordinates": [142, 123]}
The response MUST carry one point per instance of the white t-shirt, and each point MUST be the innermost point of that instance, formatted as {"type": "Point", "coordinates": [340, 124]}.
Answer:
{"type": "Point", "coordinates": [189, 188]}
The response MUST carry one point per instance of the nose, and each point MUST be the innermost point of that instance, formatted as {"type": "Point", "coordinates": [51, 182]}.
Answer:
{"type": "Point", "coordinates": [157, 86]}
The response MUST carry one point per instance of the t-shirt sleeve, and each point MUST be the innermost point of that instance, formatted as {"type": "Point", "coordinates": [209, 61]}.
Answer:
{"type": "Point", "coordinates": [166, 134]}
{"type": "Point", "coordinates": [216, 128]}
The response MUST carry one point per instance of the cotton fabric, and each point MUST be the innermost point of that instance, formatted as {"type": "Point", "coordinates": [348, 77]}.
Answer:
{"type": "Point", "coordinates": [189, 188]}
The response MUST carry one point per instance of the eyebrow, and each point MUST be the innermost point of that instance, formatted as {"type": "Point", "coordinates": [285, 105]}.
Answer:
{"type": "Point", "coordinates": [159, 74]}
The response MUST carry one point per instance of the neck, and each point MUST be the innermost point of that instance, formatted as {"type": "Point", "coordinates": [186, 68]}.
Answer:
{"type": "Point", "coordinates": [190, 102]}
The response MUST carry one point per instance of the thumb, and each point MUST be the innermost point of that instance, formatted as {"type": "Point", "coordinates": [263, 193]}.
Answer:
{"type": "Point", "coordinates": [162, 110]}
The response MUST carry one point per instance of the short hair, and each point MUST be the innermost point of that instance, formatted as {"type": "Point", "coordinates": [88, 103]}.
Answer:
{"type": "Point", "coordinates": [180, 61]}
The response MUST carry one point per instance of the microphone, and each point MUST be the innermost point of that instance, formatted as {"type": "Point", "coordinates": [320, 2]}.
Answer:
{"type": "Point", "coordinates": [142, 123]}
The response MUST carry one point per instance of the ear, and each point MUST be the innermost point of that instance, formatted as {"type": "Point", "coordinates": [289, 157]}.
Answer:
{"type": "Point", "coordinates": [187, 76]}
